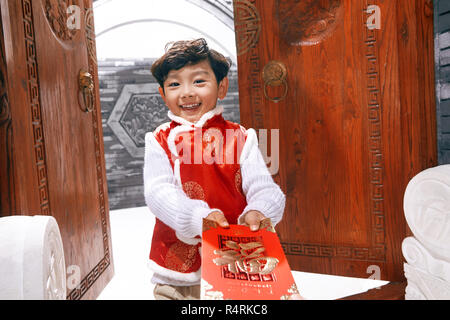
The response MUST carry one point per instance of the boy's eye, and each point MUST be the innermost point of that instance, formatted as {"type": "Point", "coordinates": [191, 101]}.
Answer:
{"type": "Point", "coordinates": [173, 84]}
{"type": "Point", "coordinates": [199, 81]}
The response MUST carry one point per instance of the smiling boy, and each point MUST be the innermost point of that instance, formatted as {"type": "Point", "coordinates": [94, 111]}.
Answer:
{"type": "Point", "coordinates": [179, 189]}
{"type": "Point", "coordinates": [192, 91]}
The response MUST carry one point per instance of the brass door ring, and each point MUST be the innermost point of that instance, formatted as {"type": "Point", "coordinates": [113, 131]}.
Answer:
{"type": "Point", "coordinates": [271, 83]}
{"type": "Point", "coordinates": [86, 87]}
{"type": "Point", "coordinates": [274, 74]}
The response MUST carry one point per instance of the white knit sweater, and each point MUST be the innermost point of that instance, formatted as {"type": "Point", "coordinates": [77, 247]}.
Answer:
{"type": "Point", "coordinates": [166, 199]}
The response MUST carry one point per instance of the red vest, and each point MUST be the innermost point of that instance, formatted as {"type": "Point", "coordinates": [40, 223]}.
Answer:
{"type": "Point", "coordinates": [209, 170]}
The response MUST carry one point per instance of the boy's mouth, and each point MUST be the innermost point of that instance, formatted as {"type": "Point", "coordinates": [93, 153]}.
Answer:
{"type": "Point", "coordinates": [190, 106]}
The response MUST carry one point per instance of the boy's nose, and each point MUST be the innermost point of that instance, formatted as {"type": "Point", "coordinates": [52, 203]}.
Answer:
{"type": "Point", "coordinates": [187, 92]}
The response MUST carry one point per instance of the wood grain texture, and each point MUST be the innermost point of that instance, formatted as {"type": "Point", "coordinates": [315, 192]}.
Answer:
{"type": "Point", "coordinates": [7, 203]}
{"type": "Point", "coordinates": [58, 151]}
{"type": "Point", "coordinates": [357, 124]}
{"type": "Point", "coordinates": [22, 196]}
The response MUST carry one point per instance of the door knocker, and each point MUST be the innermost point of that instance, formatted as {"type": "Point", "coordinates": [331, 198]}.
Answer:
{"type": "Point", "coordinates": [274, 75]}
{"type": "Point", "coordinates": [86, 87]}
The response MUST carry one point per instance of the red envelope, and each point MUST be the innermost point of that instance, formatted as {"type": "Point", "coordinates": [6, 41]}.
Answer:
{"type": "Point", "coordinates": [240, 264]}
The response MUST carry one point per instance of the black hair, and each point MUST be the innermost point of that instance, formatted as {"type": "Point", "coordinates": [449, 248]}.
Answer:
{"type": "Point", "coordinates": [187, 52]}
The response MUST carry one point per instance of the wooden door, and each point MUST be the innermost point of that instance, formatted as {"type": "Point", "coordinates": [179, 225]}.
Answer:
{"type": "Point", "coordinates": [54, 156]}
{"type": "Point", "coordinates": [356, 121]}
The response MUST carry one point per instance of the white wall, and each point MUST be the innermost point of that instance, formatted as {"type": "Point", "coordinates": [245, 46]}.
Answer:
{"type": "Point", "coordinates": [141, 28]}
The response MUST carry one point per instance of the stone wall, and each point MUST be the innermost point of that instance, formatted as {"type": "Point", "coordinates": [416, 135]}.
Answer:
{"type": "Point", "coordinates": [131, 106]}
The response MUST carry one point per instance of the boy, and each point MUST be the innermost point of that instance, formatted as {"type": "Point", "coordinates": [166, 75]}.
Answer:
{"type": "Point", "coordinates": [199, 166]}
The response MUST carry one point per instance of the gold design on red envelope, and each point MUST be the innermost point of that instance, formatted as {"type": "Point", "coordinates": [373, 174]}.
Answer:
{"type": "Point", "coordinates": [230, 255]}
{"type": "Point", "coordinates": [245, 257]}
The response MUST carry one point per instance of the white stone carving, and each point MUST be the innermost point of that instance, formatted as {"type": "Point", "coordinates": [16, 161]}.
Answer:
{"type": "Point", "coordinates": [427, 211]}
{"type": "Point", "coordinates": [32, 264]}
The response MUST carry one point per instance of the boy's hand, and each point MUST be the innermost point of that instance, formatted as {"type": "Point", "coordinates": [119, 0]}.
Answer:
{"type": "Point", "coordinates": [252, 219]}
{"type": "Point", "coordinates": [218, 218]}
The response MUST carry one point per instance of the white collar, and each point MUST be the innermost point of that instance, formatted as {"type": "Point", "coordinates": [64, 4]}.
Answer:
{"type": "Point", "coordinates": [201, 122]}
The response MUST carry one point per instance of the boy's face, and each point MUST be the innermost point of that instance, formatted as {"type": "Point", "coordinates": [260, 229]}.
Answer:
{"type": "Point", "coordinates": [192, 91]}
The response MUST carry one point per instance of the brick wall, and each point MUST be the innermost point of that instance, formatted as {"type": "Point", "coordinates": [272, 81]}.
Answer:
{"type": "Point", "coordinates": [131, 106]}
{"type": "Point", "coordinates": [442, 54]}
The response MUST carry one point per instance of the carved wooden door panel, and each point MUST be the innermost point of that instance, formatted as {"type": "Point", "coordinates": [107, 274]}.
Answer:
{"type": "Point", "coordinates": [57, 159]}
{"type": "Point", "coordinates": [352, 95]}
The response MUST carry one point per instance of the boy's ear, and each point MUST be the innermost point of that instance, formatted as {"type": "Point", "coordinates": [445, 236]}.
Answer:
{"type": "Point", "coordinates": [161, 92]}
{"type": "Point", "coordinates": [223, 88]}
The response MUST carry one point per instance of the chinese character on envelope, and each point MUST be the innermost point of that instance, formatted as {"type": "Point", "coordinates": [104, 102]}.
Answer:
{"type": "Point", "coordinates": [241, 264]}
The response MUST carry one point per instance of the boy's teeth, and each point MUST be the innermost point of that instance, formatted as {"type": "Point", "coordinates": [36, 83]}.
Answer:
{"type": "Point", "coordinates": [190, 106]}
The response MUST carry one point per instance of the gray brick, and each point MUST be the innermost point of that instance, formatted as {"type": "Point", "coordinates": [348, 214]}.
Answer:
{"type": "Point", "coordinates": [444, 157]}
{"type": "Point", "coordinates": [445, 91]}
{"type": "Point", "coordinates": [445, 124]}
{"type": "Point", "coordinates": [443, 6]}
{"type": "Point", "coordinates": [444, 142]}
{"type": "Point", "coordinates": [444, 74]}
{"type": "Point", "coordinates": [444, 22]}
{"type": "Point", "coordinates": [444, 40]}
{"type": "Point", "coordinates": [444, 108]}
{"type": "Point", "coordinates": [444, 57]}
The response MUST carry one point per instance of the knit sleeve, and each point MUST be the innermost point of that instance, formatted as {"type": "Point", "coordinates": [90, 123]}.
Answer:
{"type": "Point", "coordinates": [262, 193]}
{"type": "Point", "coordinates": [164, 195]}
